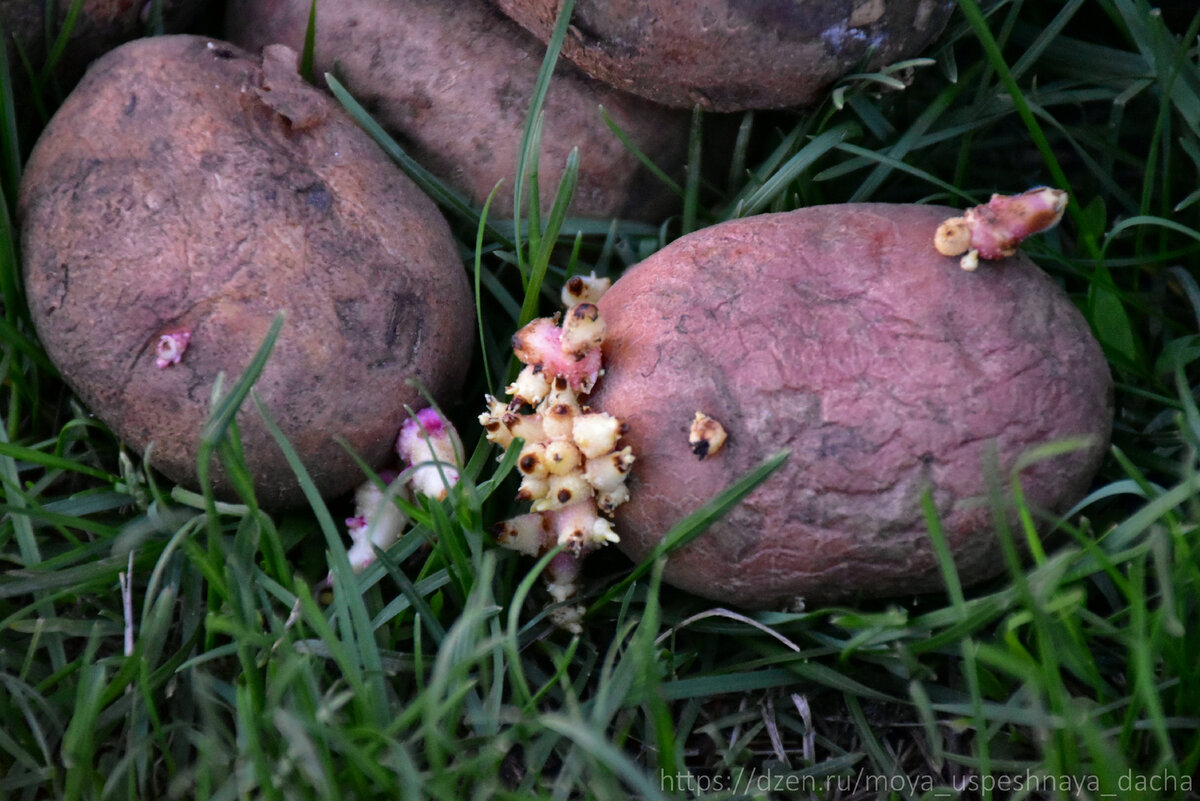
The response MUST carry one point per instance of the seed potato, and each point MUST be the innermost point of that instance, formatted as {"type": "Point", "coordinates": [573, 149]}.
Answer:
{"type": "Point", "coordinates": [729, 55]}
{"type": "Point", "coordinates": [453, 81]}
{"type": "Point", "coordinates": [838, 332]}
{"type": "Point", "coordinates": [190, 190]}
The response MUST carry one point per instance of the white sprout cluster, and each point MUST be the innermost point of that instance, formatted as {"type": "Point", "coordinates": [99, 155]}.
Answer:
{"type": "Point", "coordinates": [573, 465]}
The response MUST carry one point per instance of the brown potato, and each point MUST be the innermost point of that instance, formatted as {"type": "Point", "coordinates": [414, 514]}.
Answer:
{"type": "Point", "coordinates": [453, 82]}
{"type": "Point", "coordinates": [729, 55]}
{"type": "Point", "coordinates": [838, 332]}
{"type": "Point", "coordinates": [187, 187]}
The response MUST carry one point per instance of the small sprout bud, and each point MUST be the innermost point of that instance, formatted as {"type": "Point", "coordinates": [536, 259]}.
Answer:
{"type": "Point", "coordinates": [608, 472]}
{"type": "Point", "coordinates": [706, 437]}
{"type": "Point", "coordinates": [953, 237]}
{"type": "Point", "coordinates": [583, 329]}
{"type": "Point", "coordinates": [563, 583]}
{"type": "Point", "coordinates": [533, 488]}
{"type": "Point", "coordinates": [526, 534]}
{"type": "Point", "coordinates": [596, 433]}
{"type": "Point", "coordinates": [532, 461]}
{"type": "Point", "coordinates": [563, 491]}
{"type": "Point", "coordinates": [562, 457]}
{"type": "Point", "coordinates": [569, 618]}
{"type": "Point", "coordinates": [493, 422]}
{"type": "Point", "coordinates": [530, 387]}
{"type": "Point", "coordinates": [430, 445]}
{"type": "Point", "coordinates": [607, 502]}
{"type": "Point", "coordinates": [377, 521]}
{"type": "Point", "coordinates": [559, 419]}
{"type": "Point", "coordinates": [580, 527]}
{"type": "Point", "coordinates": [526, 426]}
{"type": "Point", "coordinates": [170, 348]}
{"type": "Point", "coordinates": [584, 289]}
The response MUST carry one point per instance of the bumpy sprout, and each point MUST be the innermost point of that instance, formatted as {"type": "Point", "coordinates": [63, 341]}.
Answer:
{"type": "Point", "coordinates": [706, 436]}
{"type": "Point", "coordinates": [573, 464]}
{"type": "Point", "coordinates": [431, 451]}
{"type": "Point", "coordinates": [430, 445]}
{"type": "Point", "coordinates": [584, 289]}
{"type": "Point", "coordinates": [995, 229]}
{"type": "Point", "coordinates": [378, 521]}
{"type": "Point", "coordinates": [170, 348]}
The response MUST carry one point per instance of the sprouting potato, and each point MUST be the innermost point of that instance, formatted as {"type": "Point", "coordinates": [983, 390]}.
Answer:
{"type": "Point", "coordinates": [452, 81]}
{"type": "Point", "coordinates": [186, 193]}
{"type": "Point", "coordinates": [729, 55]}
{"type": "Point", "coordinates": [841, 334]}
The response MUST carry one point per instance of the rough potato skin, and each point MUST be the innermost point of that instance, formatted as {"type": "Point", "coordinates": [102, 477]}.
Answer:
{"type": "Point", "coordinates": [183, 186]}
{"type": "Point", "coordinates": [839, 333]}
{"type": "Point", "coordinates": [730, 55]}
{"type": "Point", "coordinates": [453, 82]}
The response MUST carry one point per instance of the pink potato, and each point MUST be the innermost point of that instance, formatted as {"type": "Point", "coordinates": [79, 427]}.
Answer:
{"type": "Point", "coordinates": [729, 55]}
{"type": "Point", "coordinates": [453, 82]}
{"type": "Point", "coordinates": [838, 332]}
{"type": "Point", "coordinates": [185, 193]}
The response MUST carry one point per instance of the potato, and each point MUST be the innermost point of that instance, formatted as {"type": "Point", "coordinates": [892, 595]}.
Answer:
{"type": "Point", "coordinates": [729, 55]}
{"type": "Point", "coordinates": [453, 82]}
{"type": "Point", "coordinates": [838, 332]}
{"type": "Point", "coordinates": [186, 188]}
{"type": "Point", "coordinates": [100, 26]}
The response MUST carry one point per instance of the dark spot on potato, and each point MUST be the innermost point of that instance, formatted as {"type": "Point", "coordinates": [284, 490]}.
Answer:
{"type": "Point", "coordinates": [700, 448]}
{"type": "Point", "coordinates": [560, 382]}
{"type": "Point", "coordinates": [512, 98]}
{"type": "Point", "coordinates": [318, 197]}
{"type": "Point", "coordinates": [211, 161]}
{"type": "Point", "coordinates": [528, 463]}
{"type": "Point", "coordinates": [131, 105]}
{"type": "Point", "coordinates": [564, 496]}
{"type": "Point", "coordinates": [223, 53]}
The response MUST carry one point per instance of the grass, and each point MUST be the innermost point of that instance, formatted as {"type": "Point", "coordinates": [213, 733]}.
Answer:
{"type": "Point", "coordinates": [144, 651]}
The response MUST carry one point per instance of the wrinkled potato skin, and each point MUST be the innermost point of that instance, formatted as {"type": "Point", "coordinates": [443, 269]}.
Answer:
{"type": "Point", "coordinates": [730, 55]}
{"type": "Point", "coordinates": [839, 333]}
{"type": "Point", "coordinates": [166, 194]}
{"type": "Point", "coordinates": [454, 80]}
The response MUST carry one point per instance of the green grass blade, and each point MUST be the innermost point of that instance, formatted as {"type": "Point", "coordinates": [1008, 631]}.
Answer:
{"type": "Point", "coordinates": [695, 523]}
